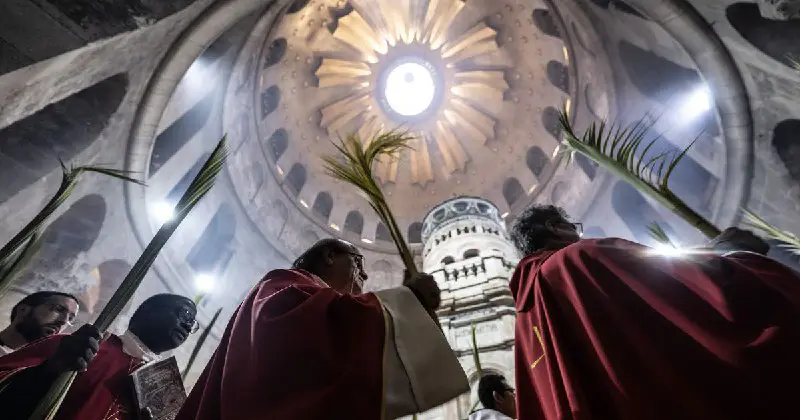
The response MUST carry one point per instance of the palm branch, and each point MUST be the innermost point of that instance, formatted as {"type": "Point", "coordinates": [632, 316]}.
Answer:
{"type": "Point", "coordinates": [200, 185]}
{"type": "Point", "coordinates": [790, 240]}
{"type": "Point", "coordinates": [200, 341]}
{"type": "Point", "coordinates": [659, 234]}
{"type": "Point", "coordinates": [477, 359]}
{"type": "Point", "coordinates": [353, 165]}
{"type": "Point", "coordinates": [17, 253]}
{"type": "Point", "coordinates": [794, 61]}
{"type": "Point", "coordinates": [624, 152]}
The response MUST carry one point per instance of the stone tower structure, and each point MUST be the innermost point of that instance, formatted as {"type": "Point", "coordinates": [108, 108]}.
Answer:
{"type": "Point", "coordinates": [468, 251]}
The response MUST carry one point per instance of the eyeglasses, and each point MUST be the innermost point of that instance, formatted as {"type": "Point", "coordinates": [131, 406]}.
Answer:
{"type": "Point", "coordinates": [578, 227]}
{"type": "Point", "coordinates": [187, 317]}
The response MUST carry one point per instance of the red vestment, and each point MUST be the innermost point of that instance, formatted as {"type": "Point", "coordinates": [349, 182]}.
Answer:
{"type": "Point", "coordinates": [102, 392]}
{"type": "Point", "coordinates": [606, 332]}
{"type": "Point", "coordinates": [295, 349]}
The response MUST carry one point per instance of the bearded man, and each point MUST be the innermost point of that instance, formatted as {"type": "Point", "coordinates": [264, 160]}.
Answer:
{"type": "Point", "coordinates": [102, 389]}
{"type": "Point", "coordinates": [610, 329]}
{"type": "Point", "coordinates": [306, 344]}
{"type": "Point", "coordinates": [38, 315]}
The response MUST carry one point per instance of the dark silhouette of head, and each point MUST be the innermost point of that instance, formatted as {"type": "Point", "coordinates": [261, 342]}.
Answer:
{"type": "Point", "coordinates": [163, 322]}
{"type": "Point", "coordinates": [42, 314]}
{"type": "Point", "coordinates": [495, 394]}
{"type": "Point", "coordinates": [543, 227]}
{"type": "Point", "coordinates": [338, 263]}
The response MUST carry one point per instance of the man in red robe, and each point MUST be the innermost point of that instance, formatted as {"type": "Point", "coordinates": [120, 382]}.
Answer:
{"type": "Point", "coordinates": [609, 330]}
{"type": "Point", "coordinates": [306, 345]}
{"type": "Point", "coordinates": [102, 390]}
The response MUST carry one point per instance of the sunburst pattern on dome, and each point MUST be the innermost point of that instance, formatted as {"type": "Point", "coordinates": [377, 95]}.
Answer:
{"type": "Point", "coordinates": [389, 54]}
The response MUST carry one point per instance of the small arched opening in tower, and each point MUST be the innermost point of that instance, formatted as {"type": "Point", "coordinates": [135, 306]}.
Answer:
{"type": "Point", "coordinates": [415, 233]}
{"type": "Point", "coordinates": [558, 75]}
{"type": "Point", "coordinates": [471, 253]}
{"type": "Point", "coordinates": [270, 99]}
{"type": "Point", "coordinates": [323, 205]}
{"type": "Point", "coordinates": [536, 160]}
{"type": "Point", "coordinates": [544, 22]}
{"type": "Point", "coordinates": [382, 233]}
{"type": "Point", "coordinates": [512, 191]}
{"type": "Point", "coordinates": [213, 251]}
{"type": "Point", "coordinates": [275, 52]}
{"type": "Point", "coordinates": [786, 141]}
{"type": "Point", "coordinates": [354, 223]}
{"type": "Point", "coordinates": [277, 143]}
{"type": "Point", "coordinates": [296, 179]}
{"type": "Point", "coordinates": [30, 148]}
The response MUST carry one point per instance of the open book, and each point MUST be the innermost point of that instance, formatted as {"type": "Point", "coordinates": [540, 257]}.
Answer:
{"type": "Point", "coordinates": [158, 387]}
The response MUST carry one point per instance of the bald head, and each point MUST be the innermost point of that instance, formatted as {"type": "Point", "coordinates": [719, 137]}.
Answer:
{"type": "Point", "coordinates": [337, 262]}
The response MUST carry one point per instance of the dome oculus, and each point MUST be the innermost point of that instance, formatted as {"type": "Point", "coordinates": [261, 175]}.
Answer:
{"type": "Point", "coordinates": [409, 89]}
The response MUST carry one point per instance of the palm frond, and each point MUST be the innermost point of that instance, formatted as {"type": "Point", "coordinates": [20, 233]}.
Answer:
{"type": "Point", "coordinates": [794, 61]}
{"type": "Point", "coordinates": [12, 252]}
{"type": "Point", "coordinates": [353, 164]}
{"type": "Point", "coordinates": [659, 234]}
{"type": "Point", "coordinates": [200, 341]}
{"type": "Point", "coordinates": [200, 185]}
{"type": "Point", "coordinates": [476, 358]}
{"type": "Point", "coordinates": [624, 151]}
{"type": "Point", "coordinates": [790, 240]}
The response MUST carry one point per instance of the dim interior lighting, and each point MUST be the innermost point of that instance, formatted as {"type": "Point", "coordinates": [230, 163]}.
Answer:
{"type": "Point", "coordinates": [335, 227]}
{"type": "Point", "coordinates": [696, 103]}
{"type": "Point", "coordinates": [409, 89]}
{"type": "Point", "coordinates": [303, 203]}
{"type": "Point", "coordinates": [504, 215]}
{"type": "Point", "coordinates": [366, 241]}
{"type": "Point", "coordinates": [204, 282]}
{"type": "Point", "coordinates": [162, 212]}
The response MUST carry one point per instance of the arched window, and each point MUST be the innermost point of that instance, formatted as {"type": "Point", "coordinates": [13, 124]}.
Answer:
{"type": "Point", "coordinates": [297, 6]}
{"type": "Point", "coordinates": [471, 253]}
{"type": "Point", "coordinates": [448, 260]}
{"type": "Point", "coordinates": [657, 77]}
{"type": "Point", "coordinates": [775, 38]}
{"type": "Point", "coordinates": [323, 205]}
{"type": "Point", "coordinates": [177, 134]}
{"type": "Point", "coordinates": [543, 20]}
{"type": "Point", "coordinates": [277, 143]}
{"type": "Point", "coordinates": [382, 233]}
{"type": "Point", "coordinates": [551, 121]}
{"type": "Point", "coordinates": [512, 191]}
{"type": "Point", "coordinates": [213, 251]}
{"type": "Point", "coordinates": [558, 75]}
{"type": "Point", "coordinates": [270, 98]}
{"type": "Point", "coordinates": [786, 141]}
{"type": "Point", "coordinates": [415, 233]}
{"type": "Point", "coordinates": [296, 178]}
{"type": "Point", "coordinates": [64, 242]}
{"type": "Point", "coordinates": [32, 146]}
{"type": "Point", "coordinates": [537, 160]}
{"type": "Point", "coordinates": [177, 191]}
{"type": "Point", "coordinates": [276, 51]}
{"type": "Point", "coordinates": [354, 222]}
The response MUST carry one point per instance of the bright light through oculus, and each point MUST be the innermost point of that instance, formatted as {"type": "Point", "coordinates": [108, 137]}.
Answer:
{"type": "Point", "coordinates": [162, 212]}
{"type": "Point", "coordinates": [205, 282]}
{"type": "Point", "coordinates": [409, 89]}
{"type": "Point", "coordinates": [697, 103]}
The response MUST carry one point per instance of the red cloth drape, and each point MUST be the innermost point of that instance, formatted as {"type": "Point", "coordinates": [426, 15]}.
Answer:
{"type": "Point", "coordinates": [623, 335]}
{"type": "Point", "coordinates": [295, 349]}
{"type": "Point", "coordinates": [102, 392]}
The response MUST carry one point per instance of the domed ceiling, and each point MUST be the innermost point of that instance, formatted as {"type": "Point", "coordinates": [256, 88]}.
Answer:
{"type": "Point", "coordinates": [475, 82]}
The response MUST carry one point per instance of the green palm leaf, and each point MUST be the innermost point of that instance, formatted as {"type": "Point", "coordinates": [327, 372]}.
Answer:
{"type": "Point", "coordinates": [476, 358]}
{"type": "Point", "coordinates": [624, 152]}
{"type": "Point", "coordinates": [353, 165]}
{"type": "Point", "coordinates": [659, 234]}
{"type": "Point", "coordinates": [200, 185]}
{"type": "Point", "coordinates": [17, 253]}
{"type": "Point", "coordinates": [200, 341]}
{"type": "Point", "coordinates": [790, 240]}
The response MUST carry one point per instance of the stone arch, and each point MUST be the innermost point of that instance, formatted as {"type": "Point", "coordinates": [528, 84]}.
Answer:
{"type": "Point", "coordinates": [275, 52]}
{"type": "Point", "coordinates": [551, 122]}
{"type": "Point", "coordinates": [323, 204]}
{"type": "Point", "coordinates": [415, 233]}
{"type": "Point", "coordinates": [777, 39]}
{"type": "Point", "coordinates": [30, 148]}
{"type": "Point", "coordinates": [277, 143]}
{"type": "Point", "coordinates": [636, 212]}
{"type": "Point", "coordinates": [558, 75]}
{"type": "Point", "coordinates": [544, 22]}
{"type": "Point", "coordinates": [270, 98]}
{"type": "Point", "coordinates": [214, 249]}
{"type": "Point", "coordinates": [512, 191]}
{"type": "Point", "coordinates": [296, 178]}
{"type": "Point", "coordinates": [60, 263]}
{"type": "Point", "coordinates": [177, 134]}
{"type": "Point", "coordinates": [354, 222]}
{"type": "Point", "coordinates": [786, 141]}
{"type": "Point", "coordinates": [536, 160]}
{"type": "Point", "coordinates": [655, 76]}
{"type": "Point", "coordinates": [297, 6]}
{"type": "Point", "coordinates": [382, 233]}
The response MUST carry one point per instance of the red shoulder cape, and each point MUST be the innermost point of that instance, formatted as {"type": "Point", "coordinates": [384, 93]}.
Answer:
{"type": "Point", "coordinates": [96, 393]}
{"type": "Point", "coordinates": [295, 349]}
{"type": "Point", "coordinates": [605, 332]}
